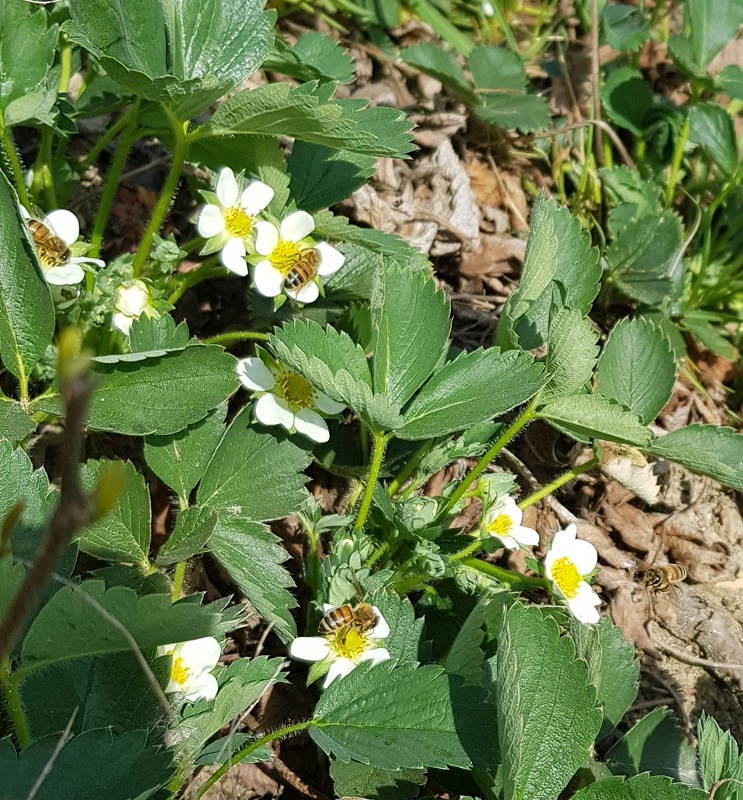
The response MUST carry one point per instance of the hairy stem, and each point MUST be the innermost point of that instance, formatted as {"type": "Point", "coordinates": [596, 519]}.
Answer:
{"type": "Point", "coordinates": [210, 268]}
{"type": "Point", "coordinates": [103, 140]}
{"type": "Point", "coordinates": [236, 336]}
{"type": "Point", "coordinates": [179, 577]}
{"type": "Point", "coordinates": [13, 705]}
{"type": "Point", "coordinates": [561, 480]}
{"type": "Point", "coordinates": [411, 465]}
{"type": "Point", "coordinates": [515, 579]}
{"type": "Point", "coordinates": [246, 751]}
{"type": "Point", "coordinates": [471, 548]}
{"type": "Point", "coordinates": [11, 156]}
{"type": "Point", "coordinates": [375, 465]}
{"type": "Point", "coordinates": [677, 158]}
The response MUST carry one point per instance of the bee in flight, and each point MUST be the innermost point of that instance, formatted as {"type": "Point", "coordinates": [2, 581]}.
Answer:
{"type": "Point", "coordinates": [362, 617]}
{"type": "Point", "coordinates": [662, 578]}
{"type": "Point", "coordinates": [303, 271]}
{"type": "Point", "coordinates": [52, 251]}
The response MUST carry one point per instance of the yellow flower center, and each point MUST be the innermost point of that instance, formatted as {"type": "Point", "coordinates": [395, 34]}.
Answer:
{"type": "Point", "coordinates": [348, 643]}
{"type": "Point", "coordinates": [237, 223]}
{"type": "Point", "coordinates": [285, 256]}
{"type": "Point", "coordinates": [500, 525]}
{"type": "Point", "coordinates": [565, 574]}
{"type": "Point", "coordinates": [179, 671]}
{"type": "Point", "coordinates": [296, 390]}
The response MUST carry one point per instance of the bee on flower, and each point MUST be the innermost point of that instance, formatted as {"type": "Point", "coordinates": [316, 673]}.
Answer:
{"type": "Point", "coordinates": [293, 261]}
{"type": "Point", "coordinates": [342, 649]}
{"type": "Point", "coordinates": [286, 398]}
{"type": "Point", "coordinates": [191, 667]}
{"type": "Point", "coordinates": [567, 564]}
{"type": "Point", "coordinates": [503, 521]}
{"type": "Point", "coordinates": [132, 299]}
{"type": "Point", "coordinates": [229, 224]}
{"type": "Point", "coordinates": [53, 236]}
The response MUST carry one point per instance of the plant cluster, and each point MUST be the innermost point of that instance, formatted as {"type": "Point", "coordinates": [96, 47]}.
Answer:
{"type": "Point", "coordinates": [433, 662]}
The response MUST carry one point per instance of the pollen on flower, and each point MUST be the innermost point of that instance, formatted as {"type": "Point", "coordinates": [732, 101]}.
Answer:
{"type": "Point", "coordinates": [500, 525]}
{"type": "Point", "coordinates": [565, 574]}
{"type": "Point", "coordinates": [296, 390]}
{"type": "Point", "coordinates": [285, 256]}
{"type": "Point", "coordinates": [179, 671]}
{"type": "Point", "coordinates": [237, 223]}
{"type": "Point", "coordinates": [348, 643]}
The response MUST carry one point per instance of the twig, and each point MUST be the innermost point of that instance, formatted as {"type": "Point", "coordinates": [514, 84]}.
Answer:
{"type": "Point", "coordinates": [61, 742]}
{"type": "Point", "coordinates": [600, 124]}
{"type": "Point", "coordinates": [288, 775]}
{"type": "Point", "coordinates": [644, 704]}
{"type": "Point", "coordinates": [688, 658]}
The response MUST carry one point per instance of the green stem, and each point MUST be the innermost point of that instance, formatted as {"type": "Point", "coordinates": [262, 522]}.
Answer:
{"type": "Point", "coordinates": [236, 336]}
{"type": "Point", "coordinates": [375, 465]}
{"type": "Point", "coordinates": [11, 155]}
{"type": "Point", "coordinates": [441, 25]}
{"type": "Point", "coordinates": [471, 548]}
{"type": "Point", "coordinates": [523, 419]}
{"type": "Point", "coordinates": [180, 150]}
{"type": "Point", "coordinates": [678, 155]}
{"type": "Point", "coordinates": [65, 65]}
{"type": "Point", "coordinates": [23, 381]}
{"type": "Point", "coordinates": [411, 584]}
{"type": "Point", "coordinates": [13, 704]}
{"type": "Point", "coordinates": [107, 135]}
{"type": "Point", "coordinates": [210, 268]}
{"type": "Point", "coordinates": [515, 579]}
{"type": "Point", "coordinates": [43, 178]}
{"type": "Point", "coordinates": [377, 554]}
{"type": "Point", "coordinates": [179, 578]}
{"type": "Point", "coordinates": [246, 751]}
{"type": "Point", "coordinates": [505, 27]}
{"type": "Point", "coordinates": [128, 137]}
{"type": "Point", "coordinates": [410, 467]}
{"type": "Point", "coordinates": [561, 480]}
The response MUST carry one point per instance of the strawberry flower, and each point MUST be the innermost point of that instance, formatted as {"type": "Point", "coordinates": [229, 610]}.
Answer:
{"type": "Point", "coordinates": [191, 667]}
{"type": "Point", "coordinates": [567, 564]}
{"type": "Point", "coordinates": [131, 300]}
{"type": "Point", "coordinates": [503, 521]}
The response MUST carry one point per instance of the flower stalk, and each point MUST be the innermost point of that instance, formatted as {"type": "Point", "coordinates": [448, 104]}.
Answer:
{"type": "Point", "coordinates": [561, 480]}
{"type": "Point", "coordinates": [410, 467]}
{"type": "Point", "coordinates": [11, 156]}
{"type": "Point", "coordinates": [375, 465]}
{"type": "Point", "coordinates": [514, 579]}
{"type": "Point", "coordinates": [13, 705]}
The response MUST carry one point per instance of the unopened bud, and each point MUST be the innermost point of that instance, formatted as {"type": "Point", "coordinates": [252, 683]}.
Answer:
{"type": "Point", "coordinates": [109, 489]}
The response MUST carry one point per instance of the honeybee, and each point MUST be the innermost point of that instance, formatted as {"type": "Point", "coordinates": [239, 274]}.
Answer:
{"type": "Point", "coordinates": [51, 249]}
{"type": "Point", "coordinates": [304, 270]}
{"type": "Point", "coordinates": [361, 616]}
{"type": "Point", "coordinates": [662, 578]}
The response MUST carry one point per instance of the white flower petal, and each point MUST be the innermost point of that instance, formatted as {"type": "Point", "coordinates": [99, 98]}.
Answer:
{"type": "Point", "coordinates": [24, 212]}
{"type": "Point", "coordinates": [254, 374]}
{"type": "Point", "coordinates": [227, 191]}
{"type": "Point", "coordinates": [507, 541]}
{"type": "Point", "coordinates": [312, 425]}
{"type": "Point", "coordinates": [122, 322]}
{"type": "Point", "coordinates": [203, 687]}
{"type": "Point", "coordinates": [86, 260]}
{"type": "Point", "coordinates": [233, 257]}
{"type": "Point", "coordinates": [307, 294]}
{"type": "Point", "coordinates": [64, 224]}
{"type": "Point", "coordinates": [328, 607]}
{"type": "Point", "coordinates": [65, 275]}
{"type": "Point", "coordinates": [210, 221]}
{"type": "Point", "coordinates": [296, 226]}
{"type": "Point", "coordinates": [583, 554]}
{"type": "Point", "coordinates": [309, 648]}
{"type": "Point", "coordinates": [331, 260]}
{"type": "Point", "coordinates": [200, 655]}
{"type": "Point", "coordinates": [525, 536]}
{"type": "Point", "coordinates": [327, 405]}
{"type": "Point", "coordinates": [166, 650]}
{"type": "Point", "coordinates": [507, 505]}
{"type": "Point", "coordinates": [584, 606]}
{"type": "Point", "coordinates": [339, 668]}
{"type": "Point", "coordinates": [132, 298]}
{"type": "Point", "coordinates": [376, 655]}
{"type": "Point", "coordinates": [268, 280]}
{"type": "Point", "coordinates": [256, 196]}
{"type": "Point", "coordinates": [272, 410]}
{"type": "Point", "coordinates": [381, 630]}
{"type": "Point", "coordinates": [266, 237]}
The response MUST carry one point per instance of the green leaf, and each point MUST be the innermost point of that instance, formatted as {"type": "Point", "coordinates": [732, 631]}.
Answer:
{"type": "Point", "coordinates": [93, 765]}
{"type": "Point", "coordinates": [190, 536]}
{"type": "Point", "coordinates": [474, 387]}
{"type": "Point", "coordinates": [26, 308]}
{"type": "Point", "coordinates": [719, 760]}
{"type": "Point", "coordinates": [158, 333]}
{"type": "Point", "coordinates": [716, 452]}
{"type": "Point", "coordinates": [560, 269]}
{"type": "Point", "coordinates": [15, 423]}
{"type": "Point", "coordinates": [360, 780]}
{"type": "Point", "coordinates": [628, 98]}
{"type": "Point", "coordinates": [11, 577]}
{"type": "Point", "coordinates": [279, 110]}
{"type": "Point", "coordinates": [626, 27]}
{"type": "Point", "coordinates": [731, 81]}
{"type": "Point", "coordinates": [572, 354]}
{"type": "Point", "coordinates": [641, 787]}
{"type": "Point", "coordinates": [711, 24]}
{"type": "Point", "coordinates": [547, 717]}
{"type": "Point", "coordinates": [68, 626]}
{"type": "Point", "coordinates": [643, 258]}
{"type": "Point", "coordinates": [410, 323]}
{"type": "Point", "coordinates": [124, 533]}
{"type": "Point", "coordinates": [189, 52]}
{"type": "Point", "coordinates": [180, 460]}
{"type": "Point", "coordinates": [699, 326]}
{"type": "Point", "coordinates": [253, 556]}
{"type": "Point", "coordinates": [711, 127]}
{"type": "Point", "coordinates": [160, 395]}
{"type": "Point", "coordinates": [390, 719]}
{"type": "Point", "coordinates": [598, 418]}
{"type": "Point", "coordinates": [442, 65]}
{"type": "Point", "coordinates": [654, 744]}
{"type": "Point", "coordinates": [637, 368]}
{"type": "Point", "coordinates": [25, 92]}
{"type": "Point", "coordinates": [465, 656]}
{"type": "Point", "coordinates": [314, 56]}
{"type": "Point", "coordinates": [612, 668]}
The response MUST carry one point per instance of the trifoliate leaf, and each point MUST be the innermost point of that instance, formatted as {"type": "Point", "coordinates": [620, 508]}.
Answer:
{"type": "Point", "coordinates": [123, 534]}
{"type": "Point", "coordinates": [647, 787]}
{"type": "Point", "coordinates": [716, 452]}
{"type": "Point", "coordinates": [158, 395]}
{"type": "Point", "coordinates": [469, 390]}
{"type": "Point", "coordinates": [410, 322]}
{"type": "Point", "coordinates": [572, 354]}
{"type": "Point", "coordinates": [190, 536]}
{"type": "Point", "coordinates": [547, 717]}
{"type": "Point", "coordinates": [180, 460]}
{"type": "Point", "coordinates": [637, 368]}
